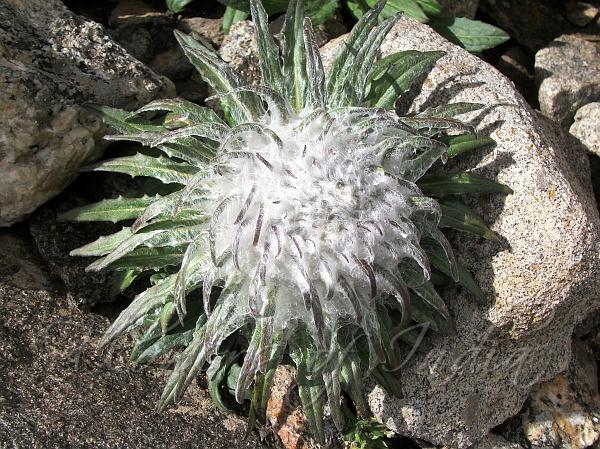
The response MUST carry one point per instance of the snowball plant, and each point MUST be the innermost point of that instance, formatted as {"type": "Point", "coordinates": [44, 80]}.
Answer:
{"type": "Point", "coordinates": [303, 229]}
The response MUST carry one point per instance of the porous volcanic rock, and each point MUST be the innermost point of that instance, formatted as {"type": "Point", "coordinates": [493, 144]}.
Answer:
{"type": "Point", "coordinates": [52, 62]}
{"type": "Point", "coordinates": [541, 278]}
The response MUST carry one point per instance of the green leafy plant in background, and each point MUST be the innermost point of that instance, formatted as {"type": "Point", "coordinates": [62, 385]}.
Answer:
{"type": "Point", "coordinates": [473, 35]}
{"type": "Point", "coordinates": [365, 434]}
{"type": "Point", "coordinates": [307, 229]}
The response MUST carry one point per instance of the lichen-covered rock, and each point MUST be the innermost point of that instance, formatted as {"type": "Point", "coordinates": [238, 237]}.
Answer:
{"type": "Point", "coordinates": [51, 63]}
{"type": "Point", "coordinates": [541, 279]}
{"type": "Point", "coordinates": [568, 71]}
{"type": "Point", "coordinates": [587, 127]}
{"type": "Point", "coordinates": [57, 389]}
{"type": "Point", "coordinates": [565, 412]}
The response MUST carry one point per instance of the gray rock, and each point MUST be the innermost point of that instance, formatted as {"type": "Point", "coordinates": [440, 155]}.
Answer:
{"type": "Point", "coordinates": [20, 265]}
{"type": "Point", "coordinates": [172, 63]}
{"type": "Point", "coordinates": [540, 281]}
{"type": "Point", "coordinates": [460, 8]}
{"type": "Point", "coordinates": [57, 389]}
{"type": "Point", "coordinates": [239, 50]}
{"type": "Point", "coordinates": [209, 29]}
{"type": "Point", "coordinates": [532, 23]}
{"type": "Point", "coordinates": [587, 127]}
{"type": "Point", "coordinates": [137, 41]}
{"type": "Point", "coordinates": [569, 76]}
{"type": "Point", "coordinates": [51, 63]}
{"type": "Point", "coordinates": [564, 412]}
{"type": "Point", "coordinates": [581, 13]}
{"type": "Point", "coordinates": [493, 441]}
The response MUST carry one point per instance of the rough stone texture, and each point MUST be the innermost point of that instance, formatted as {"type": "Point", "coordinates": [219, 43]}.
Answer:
{"type": "Point", "coordinates": [568, 71]}
{"type": "Point", "coordinates": [493, 441]}
{"type": "Point", "coordinates": [541, 280]}
{"type": "Point", "coordinates": [209, 29]}
{"type": "Point", "coordinates": [532, 23]}
{"type": "Point", "coordinates": [285, 414]}
{"type": "Point", "coordinates": [587, 127]}
{"type": "Point", "coordinates": [460, 8]}
{"type": "Point", "coordinates": [55, 239]}
{"type": "Point", "coordinates": [20, 266]}
{"type": "Point", "coordinates": [239, 50]}
{"type": "Point", "coordinates": [52, 62]}
{"type": "Point", "coordinates": [581, 13]}
{"type": "Point", "coordinates": [565, 412]}
{"type": "Point", "coordinates": [57, 389]}
{"type": "Point", "coordinates": [137, 41]}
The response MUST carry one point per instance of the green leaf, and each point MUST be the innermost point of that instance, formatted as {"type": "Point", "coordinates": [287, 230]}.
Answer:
{"type": "Point", "coordinates": [150, 258]}
{"type": "Point", "coordinates": [424, 313]}
{"type": "Point", "coordinates": [123, 122]}
{"type": "Point", "coordinates": [120, 280]}
{"type": "Point", "coordinates": [457, 215]}
{"type": "Point", "coordinates": [311, 387]}
{"type": "Point", "coordinates": [317, 10]}
{"type": "Point", "coordinates": [411, 272]}
{"type": "Point", "coordinates": [161, 168]}
{"type": "Point", "coordinates": [217, 374]}
{"type": "Point", "coordinates": [243, 107]}
{"type": "Point", "coordinates": [152, 334]}
{"type": "Point", "coordinates": [356, 79]}
{"type": "Point", "coordinates": [177, 5]}
{"type": "Point", "coordinates": [321, 10]}
{"type": "Point", "coordinates": [186, 112]}
{"type": "Point", "coordinates": [431, 7]}
{"type": "Point", "coordinates": [441, 184]}
{"type": "Point", "coordinates": [232, 16]}
{"type": "Point", "coordinates": [395, 74]}
{"type": "Point", "coordinates": [165, 344]}
{"type": "Point", "coordinates": [103, 245]}
{"type": "Point", "coordinates": [473, 35]}
{"type": "Point", "coordinates": [140, 306]}
{"type": "Point", "coordinates": [114, 210]}
{"type": "Point", "coordinates": [314, 68]}
{"type": "Point", "coordinates": [268, 52]}
{"type": "Point", "coordinates": [411, 8]}
{"type": "Point", "coordinates": [451, 109]}
{"type": "Point", "coordinates": [438, 259]}
{"type": "Point", "coordinates": [346, 55]}
{"type": "Point", "coordinates": [294, 58]}
{"type": "Point", "coordinates": [466, 142]}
